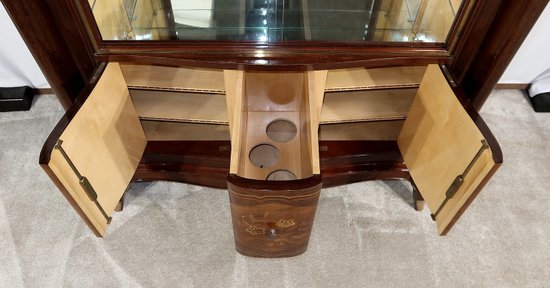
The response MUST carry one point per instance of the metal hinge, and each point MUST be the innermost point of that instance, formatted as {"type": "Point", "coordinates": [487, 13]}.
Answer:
{"type": "Point", "coordinates": [459, 180]}
{"type": "Point", "coordinates": [83, 181]}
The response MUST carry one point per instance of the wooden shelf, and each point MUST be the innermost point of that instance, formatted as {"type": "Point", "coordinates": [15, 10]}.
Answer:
{"type": "Point", "coordinates": [379, 78]}
{"type": "Point", "coordinates": [371, 105]}
{"type": "Point", "coordinates": [173, 131]}
{"type": "Point", "coordinates": [174, 78]}
{"type": "Point", "coordinates": [361, 131]}
{"type": "Point", "coordinates": [180, 106]}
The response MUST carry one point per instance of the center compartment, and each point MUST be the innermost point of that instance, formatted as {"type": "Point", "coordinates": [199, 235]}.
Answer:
{"type": "Point", "coordinates": [275, 134]}
{"type": "Point", "coordinates": [274, 182]}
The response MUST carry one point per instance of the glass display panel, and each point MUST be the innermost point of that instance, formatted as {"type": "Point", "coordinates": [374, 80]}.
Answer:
{"type": "Point", "coordinates": [275, 21]}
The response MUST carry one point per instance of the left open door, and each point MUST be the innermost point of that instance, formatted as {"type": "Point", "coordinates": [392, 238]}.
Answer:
{"type": "Point", "coordinates": [93, 156]}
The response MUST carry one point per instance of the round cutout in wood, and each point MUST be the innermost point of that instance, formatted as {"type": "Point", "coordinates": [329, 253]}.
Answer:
{"type": "Point", "coordinates": [281, 130]}
{"type": "Point", "coordinates": [264, 155]}
{"type": "Point", "coordinates": [281, 175]}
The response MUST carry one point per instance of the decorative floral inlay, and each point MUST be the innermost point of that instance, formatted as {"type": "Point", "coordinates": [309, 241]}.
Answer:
{"type": "Point", "coordinates": [283, 223]}
{"type": "Point", "coordinates": [253, 230]}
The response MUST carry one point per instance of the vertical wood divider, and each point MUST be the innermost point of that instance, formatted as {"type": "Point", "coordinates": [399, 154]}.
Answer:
{"type": "Point", "coordinates": [234, 83]}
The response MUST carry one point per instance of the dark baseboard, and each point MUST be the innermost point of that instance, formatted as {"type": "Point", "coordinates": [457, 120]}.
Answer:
{"type": "Point", "coordinates": [541, 102]}
{"type": "Point", "coordinates": [16, 99]}
{"type": "Point", "coordinates": [42, 91]}
{"type": "Point", "coordinates": [516, 86]}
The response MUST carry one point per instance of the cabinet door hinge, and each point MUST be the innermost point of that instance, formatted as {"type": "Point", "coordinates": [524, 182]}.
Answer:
{"type": "Point", "coordinates": [82, 180]}
{"type": "Point", "coordinates": [459, 180]}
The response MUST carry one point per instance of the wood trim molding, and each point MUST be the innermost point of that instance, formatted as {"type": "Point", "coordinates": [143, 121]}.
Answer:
{"type": "Point", "coordinates": [45, 39]}
{"type": "Point", "coordinates": [496, 49]}
{"type": "Point", "coordinates": [42, 91]}
{"type": "Point", "coordinates": [515, 86]}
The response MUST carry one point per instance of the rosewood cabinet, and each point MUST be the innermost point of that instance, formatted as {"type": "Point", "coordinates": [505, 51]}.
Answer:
{"type": "Point", "coordinates": [274, 122]}
{"type": "Point", "coordinates": [275, 138]}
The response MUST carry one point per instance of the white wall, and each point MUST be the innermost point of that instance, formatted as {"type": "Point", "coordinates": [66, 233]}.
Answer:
{"type": "Point", "coordinates": [17, 66]}
{"type": "Point", "coordinates": [533, 58]}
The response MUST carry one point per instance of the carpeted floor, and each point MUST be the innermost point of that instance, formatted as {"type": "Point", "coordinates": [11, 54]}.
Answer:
{"type": "Point", "coordinates": [365, 235]}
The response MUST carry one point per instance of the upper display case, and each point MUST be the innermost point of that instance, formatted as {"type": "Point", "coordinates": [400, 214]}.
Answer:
{"type": "Point", "coordinates": [476, 40]}
{"type": "Point", "coordinates": [276, 21]}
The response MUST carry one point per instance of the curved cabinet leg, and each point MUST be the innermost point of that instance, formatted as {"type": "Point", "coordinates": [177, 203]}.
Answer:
{"type": "Point", "coordinates": [120, 205]}
{"type": "Point", "coordinates": [417, 198]}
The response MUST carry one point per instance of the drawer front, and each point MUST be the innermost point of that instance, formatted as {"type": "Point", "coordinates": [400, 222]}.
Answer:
{"type": "Point", "coordinates": [273, 222]}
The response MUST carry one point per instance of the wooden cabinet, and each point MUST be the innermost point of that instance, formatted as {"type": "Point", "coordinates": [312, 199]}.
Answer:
{"type": "Point", "coordinates": [273, 138]}
{"type": "Point", "coordinates": [272, 121]}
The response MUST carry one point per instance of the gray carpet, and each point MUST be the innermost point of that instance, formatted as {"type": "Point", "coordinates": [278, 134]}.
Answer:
{"type": "Point", "coordinates": [365, 235]}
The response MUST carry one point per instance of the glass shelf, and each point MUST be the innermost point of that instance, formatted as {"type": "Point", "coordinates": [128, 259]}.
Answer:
{"type": "Point", "coordinates": [275, 21]}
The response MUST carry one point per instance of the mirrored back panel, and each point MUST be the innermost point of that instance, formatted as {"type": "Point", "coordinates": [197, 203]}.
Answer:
{"type": "Point", "coordinates": [276, 21]}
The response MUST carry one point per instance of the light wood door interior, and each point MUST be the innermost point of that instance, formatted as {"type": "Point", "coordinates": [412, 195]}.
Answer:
{"type": "Point", "coordinates": [438, 142]}
{"type": "Point", "coordinates": [105, 142]}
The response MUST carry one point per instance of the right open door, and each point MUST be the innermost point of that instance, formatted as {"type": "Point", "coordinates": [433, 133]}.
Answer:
{"type": "Point", "coordinates": [450, 153]}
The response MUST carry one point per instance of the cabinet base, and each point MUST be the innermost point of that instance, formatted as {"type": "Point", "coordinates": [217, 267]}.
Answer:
{"type": "Point", "coordinates": [271, 218]}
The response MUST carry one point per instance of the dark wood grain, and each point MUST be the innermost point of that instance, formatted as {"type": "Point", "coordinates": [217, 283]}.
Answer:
{"type": "Point", "coordinates": [53, 42]}
{"type": "Point", "coordinates": [481, 44]}
{"type": "Point", "coordinates": [497, 46]}
{"type": "Point", "coordinates": [273, 218]}
{"type": "Point", "coordinates": [204, 163]}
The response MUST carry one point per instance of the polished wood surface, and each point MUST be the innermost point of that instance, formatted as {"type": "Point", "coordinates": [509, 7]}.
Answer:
{"type": "Point", "coordinates": [273, 220]}
{"type": "Point", "coordinates": [188, 159]}
{"type": "Point", "coordinates": [64, 55]}
{"type": "Point", "coordinates": [476, 53]}
{"type": "Point", "coordinates": [480, 46]}
{"type": "Point", "coordinates": [486, 49]}
{"type": "Point", "coordinates": [206, 163]}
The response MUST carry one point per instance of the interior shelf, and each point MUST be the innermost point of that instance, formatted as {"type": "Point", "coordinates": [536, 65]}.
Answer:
{"type": "Point", "coordinates": [361, 131]}
{"type": "Point", "coordinates": [174, 78]}
{"type": "Point", "coordinates": [180, 106]}
{"type": "Point", "coordinates": [370, 105]}
{"type": "Point", "coordinates": [380, 78]}
{"type": "Point", "coordinates": [175, 131]}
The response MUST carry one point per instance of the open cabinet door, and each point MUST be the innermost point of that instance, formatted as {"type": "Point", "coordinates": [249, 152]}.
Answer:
{"type": "Point", "coordinates": [449, 153]}
{"type": "Point", "coordinates": [97, 153]}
